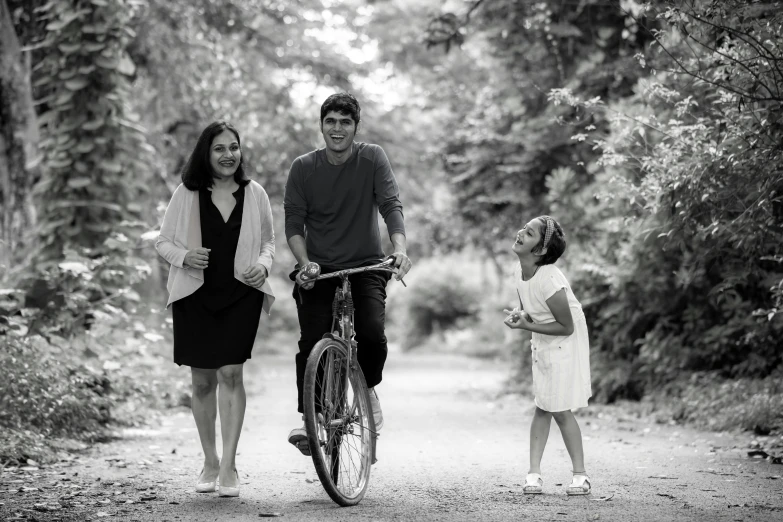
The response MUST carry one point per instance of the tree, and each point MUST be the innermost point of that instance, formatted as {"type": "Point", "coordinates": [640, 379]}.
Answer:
{"type": "Point", "coordinates": [93, 151]}
{"type": "Point", "coordinates": [657, 143]}
{"type": "Point", "coordinates": [500, 156]}
{"type": "Point", "coordinates": [18, 140]}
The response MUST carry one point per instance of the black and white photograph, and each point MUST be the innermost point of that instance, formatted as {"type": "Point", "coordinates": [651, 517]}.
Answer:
{"type": "Point", "coordinates": [391, 260]}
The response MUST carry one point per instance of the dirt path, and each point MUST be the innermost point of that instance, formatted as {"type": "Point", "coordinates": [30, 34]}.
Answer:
{"type": "Point", "coordinates": [451, 449]}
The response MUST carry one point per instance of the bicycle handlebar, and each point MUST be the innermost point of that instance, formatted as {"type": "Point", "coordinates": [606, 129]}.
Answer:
{"type": "Point", "coordinates": [386, 266]}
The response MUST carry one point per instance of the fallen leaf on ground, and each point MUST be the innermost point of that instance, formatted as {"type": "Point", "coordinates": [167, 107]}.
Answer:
{"type": "Point", "coordinates": [270, 515]}
{"type": "Point", "coordinates": [663, 477]}
{"type": "Point", "coordinates": [601, 499]}
{"type": "Point", "coordinates": [765, 455]}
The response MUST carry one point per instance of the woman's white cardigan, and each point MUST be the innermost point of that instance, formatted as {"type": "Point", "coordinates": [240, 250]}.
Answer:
{"type": "Point", "coordinates": [181, 231]}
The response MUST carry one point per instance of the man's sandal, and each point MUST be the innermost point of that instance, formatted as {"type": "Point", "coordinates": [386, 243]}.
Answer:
{"type": "Point", "coordinates": [580, 485]}
{"type": "Point", "coordinates": [534, 484]}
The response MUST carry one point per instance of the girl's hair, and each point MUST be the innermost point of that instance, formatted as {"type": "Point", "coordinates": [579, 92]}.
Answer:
{"type": "Point", "coordinates": [344, 103]}
{"type": "Point", "coordinates": [197, 173]}
{"type": "Point", "coordinates": [556, 245]}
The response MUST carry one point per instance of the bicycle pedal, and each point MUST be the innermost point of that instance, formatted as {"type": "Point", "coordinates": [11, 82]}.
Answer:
{"type": "Point", "coordinates": [304, 448]}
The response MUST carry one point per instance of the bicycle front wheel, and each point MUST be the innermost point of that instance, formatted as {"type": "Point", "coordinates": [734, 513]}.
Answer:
{"type": "Point", "coordinates": [339, 422]}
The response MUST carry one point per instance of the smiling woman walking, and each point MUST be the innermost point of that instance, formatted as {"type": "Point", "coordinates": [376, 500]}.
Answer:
{"type": "Point", "coordinates": [217, 235]}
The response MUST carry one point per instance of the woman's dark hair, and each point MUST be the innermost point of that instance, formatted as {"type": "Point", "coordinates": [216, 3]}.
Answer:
{"type": "Point", "coordinates": [556, 245]}
{"type": "Point", "coordinates": [197, 173]}
{"type": "Point", "coordinates": [343, 103]}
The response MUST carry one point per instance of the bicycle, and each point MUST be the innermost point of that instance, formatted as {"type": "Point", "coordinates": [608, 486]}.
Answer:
{"type": "Point", "coordinates": [338, 417]}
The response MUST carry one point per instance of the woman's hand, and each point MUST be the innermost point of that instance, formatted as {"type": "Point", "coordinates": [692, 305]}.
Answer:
{"type": "Point", "coordinates": [197, 258]}
{"type": "Point", "coordinates": [255, 276]}
{"type": "Point", "coordinates": [518, 319]}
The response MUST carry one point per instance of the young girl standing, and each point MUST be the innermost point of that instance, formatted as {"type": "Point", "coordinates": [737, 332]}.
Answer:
{"type": "Point", "coordinates": [561, 364]}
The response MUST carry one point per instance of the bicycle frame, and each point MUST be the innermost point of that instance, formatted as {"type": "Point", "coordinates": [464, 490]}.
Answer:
{"type": "Point", "coordinates": [343, 319]}
{"type": "Point", "coordinates": [346, 332]}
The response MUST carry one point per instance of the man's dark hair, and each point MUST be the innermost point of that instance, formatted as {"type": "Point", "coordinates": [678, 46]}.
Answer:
{"type": "Point", "coordinates": [344, 103]}
{"type": "Point", "coordinates": [557, 243]}
{"type": "Point", "coordinates": [197, 173]}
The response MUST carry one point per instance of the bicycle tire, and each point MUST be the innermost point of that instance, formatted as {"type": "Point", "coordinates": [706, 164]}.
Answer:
{"type": "Point", "coordinates": [342, 440]}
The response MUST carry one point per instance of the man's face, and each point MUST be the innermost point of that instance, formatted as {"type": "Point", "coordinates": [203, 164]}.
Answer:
{"type": "Point", "coordinates": [339, 131]}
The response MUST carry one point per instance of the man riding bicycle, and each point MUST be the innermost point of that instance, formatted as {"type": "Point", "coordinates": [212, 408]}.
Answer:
{"type": "Point", "coordinates": [332, 199]}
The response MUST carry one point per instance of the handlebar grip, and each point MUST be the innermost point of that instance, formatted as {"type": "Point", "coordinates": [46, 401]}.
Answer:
{"type": "Point", "coordinates": [311, 270]}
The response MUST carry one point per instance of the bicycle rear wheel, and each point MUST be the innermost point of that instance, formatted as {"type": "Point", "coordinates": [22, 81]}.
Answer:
{"type": "Point", "coordinates": [339, 422]}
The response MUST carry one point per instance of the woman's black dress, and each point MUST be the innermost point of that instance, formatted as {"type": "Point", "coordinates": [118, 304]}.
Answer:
{"type": "Point", "coordinates": [217, 324]}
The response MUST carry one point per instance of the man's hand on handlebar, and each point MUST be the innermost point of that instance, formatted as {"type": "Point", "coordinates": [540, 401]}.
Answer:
{"type": "Point", "coordinates": [305, 276]}
{"type": "Point", "coordinates": [401, 263]}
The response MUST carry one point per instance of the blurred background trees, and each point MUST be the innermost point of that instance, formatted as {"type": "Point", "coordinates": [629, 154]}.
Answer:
{"type": "Point", "coordinates": [651, 130]}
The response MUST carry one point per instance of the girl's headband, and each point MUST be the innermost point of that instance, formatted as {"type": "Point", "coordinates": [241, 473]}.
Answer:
{"type": "Point", "coordinates": [550, 229]}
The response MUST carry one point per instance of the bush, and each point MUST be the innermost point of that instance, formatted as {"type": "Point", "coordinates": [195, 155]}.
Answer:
{"type": "Point", "coordinates": [437, 299]}
{"type": "Point", "coordinates": [708, 401]}
{"type": "Point", "coordinates": [47, 394]}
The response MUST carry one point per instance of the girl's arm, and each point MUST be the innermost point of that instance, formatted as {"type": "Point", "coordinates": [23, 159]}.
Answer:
{"type": "Point", "coordinates": [562, 325]}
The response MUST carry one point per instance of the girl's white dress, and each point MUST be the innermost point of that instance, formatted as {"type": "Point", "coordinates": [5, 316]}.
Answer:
{"type": "Point", "coordinates": [561, 364]}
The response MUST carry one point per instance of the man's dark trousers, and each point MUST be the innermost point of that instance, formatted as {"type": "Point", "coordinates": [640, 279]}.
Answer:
{"type": "Point", "coordinates": [314, 308]}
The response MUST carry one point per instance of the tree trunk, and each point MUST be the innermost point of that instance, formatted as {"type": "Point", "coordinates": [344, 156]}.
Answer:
{"type": "Point", "coordinates": [18, 141]}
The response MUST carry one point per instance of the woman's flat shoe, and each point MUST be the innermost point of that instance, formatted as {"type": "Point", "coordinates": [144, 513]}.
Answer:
{"type": "Point", "coordinates": [229, 491]}
{"type": "Point", "coordinates": [205, 487]}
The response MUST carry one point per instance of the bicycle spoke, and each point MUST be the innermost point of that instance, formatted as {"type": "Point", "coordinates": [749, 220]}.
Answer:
{"type": "Point", "coordinates": [341, 441]}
